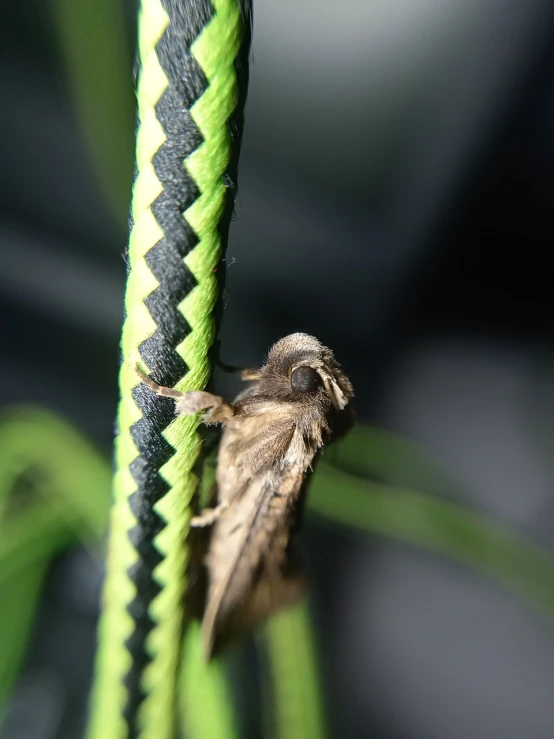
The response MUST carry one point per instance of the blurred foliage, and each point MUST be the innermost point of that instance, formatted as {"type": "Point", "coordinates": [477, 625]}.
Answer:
{"type": "Point", "coordinates": [93, 42]}
{"type": "Point", "coordinates": [343, 491]}
{"type": "Point", "coordinates": [205, 705]}
{"type": "Point", "coordinates": [54, 491]}
{"type": "Point", "coordinates": [60, 486]}
{"type": "Point", "coordinates": [297, 708]}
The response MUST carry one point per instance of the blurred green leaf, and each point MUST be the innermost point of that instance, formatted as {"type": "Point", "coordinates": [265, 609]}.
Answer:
{"type": "Point", "coordinates": [30, 539]}
{"type": "Point", "coordinates": [205, 705]}
{"type": "Point", "coordinates": [94, 45]}
{"type": "Point", "coordinates": [294, 676]}
{"type": "Point", "coordinates": [76, 479]}
{"type": "Point", "coordinates": [71, 501]}
{"type": "Point", "coordinates": [447, 528]}
{"type": "Point", "coordinates": [382, 456]}
{"type": "Point", "coordinates": [19, 594]}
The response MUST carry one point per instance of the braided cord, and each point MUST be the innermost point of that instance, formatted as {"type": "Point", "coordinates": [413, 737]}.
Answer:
{"type": "Point", "coordinates": [191, 91]}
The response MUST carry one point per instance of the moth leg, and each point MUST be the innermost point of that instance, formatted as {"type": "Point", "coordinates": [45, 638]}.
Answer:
{"type": "Point", "coordinates": [167, 392]}
{"type": "Point", "coordinates": [198, 400]}
{"type": "Point", "coordinates": [192, 402]}
{"type": "Point", "coordinates": [208, 516]}
{"type": "Point", "coordinates": [250, 374]}
{"type": "Point", "coordinates": [220, 412]}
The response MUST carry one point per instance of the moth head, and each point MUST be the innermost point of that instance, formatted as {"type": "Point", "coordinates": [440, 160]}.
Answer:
{"type": "Point", "coordinates": [301, 367]}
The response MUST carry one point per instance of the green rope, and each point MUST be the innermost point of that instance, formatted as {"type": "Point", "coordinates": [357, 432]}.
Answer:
{"type": "Point", "coordinates": [215, 51]}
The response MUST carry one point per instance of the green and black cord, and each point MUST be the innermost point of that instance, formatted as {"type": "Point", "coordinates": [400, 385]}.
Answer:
{"type": "Point", "coordinates": [193, 61]}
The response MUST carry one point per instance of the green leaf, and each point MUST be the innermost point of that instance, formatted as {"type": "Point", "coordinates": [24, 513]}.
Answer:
{"type": "Point", "coordinates": [295, 684]}
{"type": "Point", "coordinates": [72, 484]}
{"type": "Point", "coordinates": [95, 49]}
{"type": "Point", "coordinates": [428, 521]}
{"type": "Point", "coordinates": [19, 595]}
{"type": "Point", "coordinates": [31, 538]}
{"type": "Point", "coordinates": [386, 457]}
{"type": "Point", "coordinates": [204, 702]}
{"type": "Point", "coordinates": [76, 477]}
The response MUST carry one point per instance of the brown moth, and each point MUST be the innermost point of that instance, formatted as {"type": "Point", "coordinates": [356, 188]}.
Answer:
{"type": "Point", "coordinates": [272, 434]}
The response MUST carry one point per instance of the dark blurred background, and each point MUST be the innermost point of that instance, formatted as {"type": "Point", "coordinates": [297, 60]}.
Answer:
{"type": "Point", "coordinates": [397, 201]}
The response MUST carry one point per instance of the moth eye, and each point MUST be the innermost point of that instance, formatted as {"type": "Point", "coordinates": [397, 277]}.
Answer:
{"type": "Point", "coordinates": [304, 379]}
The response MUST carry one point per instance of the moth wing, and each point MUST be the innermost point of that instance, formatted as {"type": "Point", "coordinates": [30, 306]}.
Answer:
{"type": "Point", "coordinates": [248, 549]}
{"type": "Point", "coordinates": [273, 591]}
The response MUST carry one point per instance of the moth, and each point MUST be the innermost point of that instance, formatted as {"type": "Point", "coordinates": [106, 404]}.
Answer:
{"type": "Point", "coordinates": [273, 433]}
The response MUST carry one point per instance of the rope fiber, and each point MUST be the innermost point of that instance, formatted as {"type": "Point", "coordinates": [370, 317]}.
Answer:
{"type": "Point", "coordinates": [192, 80]}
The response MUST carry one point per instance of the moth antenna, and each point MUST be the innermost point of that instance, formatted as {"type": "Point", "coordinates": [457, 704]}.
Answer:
{"type": "Point", "coordinates": [331, 387]}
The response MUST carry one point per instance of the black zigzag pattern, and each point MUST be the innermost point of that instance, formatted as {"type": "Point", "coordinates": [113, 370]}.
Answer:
{"type": "Point", "coordinates": [165, 259]}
